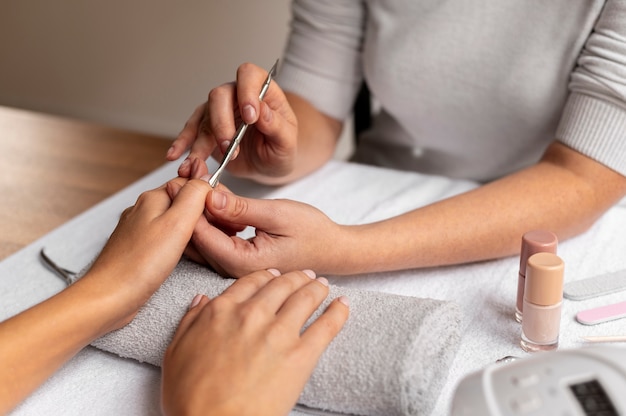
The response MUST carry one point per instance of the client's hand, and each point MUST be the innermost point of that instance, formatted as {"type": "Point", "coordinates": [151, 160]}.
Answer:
{"type": "Point", "coordinates": [290, 235]}
{"type": "Point", "coordinates": [243, 352]}
{"type": "Point", "coordinates": [141, 253]}
{"type": "Point", "coordinates": [148, 243]}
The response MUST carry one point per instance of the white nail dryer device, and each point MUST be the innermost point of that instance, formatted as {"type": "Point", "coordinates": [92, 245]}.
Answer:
{"type": "Point", "coordinates": [576, 382]}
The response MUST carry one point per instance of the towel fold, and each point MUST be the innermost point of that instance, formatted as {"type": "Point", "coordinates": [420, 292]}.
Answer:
{"type": "Point", "coordinates": [391, 358]}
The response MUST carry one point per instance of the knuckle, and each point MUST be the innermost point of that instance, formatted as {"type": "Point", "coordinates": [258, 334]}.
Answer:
{"type": "Point", "coordinates": [220, 93]}
{"type": "Point", "coordinates": [144, 197]}
{"type": "Point", "coordinates": [198, 186]}
{"type": "Point", "coordinates": [127, 212]}
{"type": "Point", "coordinates": [222, 128]}
{"type": "Point", "coordinates": [219, 303]}
{"type": "Point", "coordinates": [215, 94]}
{"type": "Point", "coordinates": [330, 327]}
{"type": "Point", "coordinates": [250, 315]}
{"type": "Point", "coordinates": [277, 330]}
{"type": "Point", "coordinates": [239, 208]}
{"type": "Point", "coordinates": [310, 296]}
{"type": "Point", "coordinates": [245, 67]}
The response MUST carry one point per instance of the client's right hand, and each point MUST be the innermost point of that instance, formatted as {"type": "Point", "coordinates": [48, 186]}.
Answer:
{"type": "Point", "coordinates": [244, 352]}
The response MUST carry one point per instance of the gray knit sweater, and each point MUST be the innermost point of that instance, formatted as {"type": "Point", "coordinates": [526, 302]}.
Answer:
{"type": "Point", "coordinates": [471, 89]}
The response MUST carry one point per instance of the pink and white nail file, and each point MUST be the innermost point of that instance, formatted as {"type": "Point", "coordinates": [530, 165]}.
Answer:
{"type": "Point", "coordinates": [602, 314]}
{"type": "Point", "coordinates": [595, 286]}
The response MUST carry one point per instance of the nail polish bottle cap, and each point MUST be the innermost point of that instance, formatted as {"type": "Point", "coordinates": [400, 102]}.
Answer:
{"type": "Point", "coordinates": [544, 279]}
{"type": "Point", "coordinates": [537, 241]}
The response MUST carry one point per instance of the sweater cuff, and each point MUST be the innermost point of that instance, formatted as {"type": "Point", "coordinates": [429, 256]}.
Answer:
{"type": "Point", "coordinates": [331, 92]}
{"type": "Point", "coordinates": [595, 128]}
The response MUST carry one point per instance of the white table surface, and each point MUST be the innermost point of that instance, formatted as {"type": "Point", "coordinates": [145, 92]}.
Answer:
{"type": "Point", "coordinates": [99, 383]}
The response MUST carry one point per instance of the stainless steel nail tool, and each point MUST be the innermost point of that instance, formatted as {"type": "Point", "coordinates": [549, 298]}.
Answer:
{"type": "Point", "coordinates": [241, 131]}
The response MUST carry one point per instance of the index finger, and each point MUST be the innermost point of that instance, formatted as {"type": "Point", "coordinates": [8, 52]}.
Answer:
{"type": "Point", "coordinates": [188, 134]}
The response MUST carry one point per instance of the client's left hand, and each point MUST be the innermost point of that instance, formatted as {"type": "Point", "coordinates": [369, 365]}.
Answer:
{"type": "Point", "coordinates": [290, 235]}
{"type": "Point", "coordinates": [148, 242]}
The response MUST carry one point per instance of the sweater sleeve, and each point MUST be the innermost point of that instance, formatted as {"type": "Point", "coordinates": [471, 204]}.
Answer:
{"type": "Point", "coordinates": [594, 117]}
{"type": "Point", "coordinates": [322, 61]}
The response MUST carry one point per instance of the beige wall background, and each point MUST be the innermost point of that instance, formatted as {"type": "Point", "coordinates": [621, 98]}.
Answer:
{"type": "Point", "coordinates": [137, 64]}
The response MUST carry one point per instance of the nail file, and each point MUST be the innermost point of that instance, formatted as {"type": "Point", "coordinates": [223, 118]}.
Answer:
{"type": "Point", "coordinates": [602, 314]}
{"type": "Point", "coordinates": [606, 338]}
{"type": "Point", "coordinates": [595, 286]}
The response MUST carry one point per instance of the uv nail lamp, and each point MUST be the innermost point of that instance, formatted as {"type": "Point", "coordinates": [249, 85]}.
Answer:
{"type": "Point", "coordinates": [585, 382]}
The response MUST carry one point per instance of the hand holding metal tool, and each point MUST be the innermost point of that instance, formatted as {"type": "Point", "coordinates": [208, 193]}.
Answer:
{"type": "Point", "coordinates": [241, 131]}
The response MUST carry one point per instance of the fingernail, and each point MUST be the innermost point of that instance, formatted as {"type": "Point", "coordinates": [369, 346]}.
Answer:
{"type": "Point", "coordinates": [170, 151]}
{"type": "Point", "coordinates": [185, 164]}
{"type": "Point", "coordinates": [323, 281]}
{"type": "Point", "coordinates": [205, 178]}
{"type": "Point", "coordinates": [274, 272]}
{"type": "Point", "coordinates": [248, 114]}
{"type": "Point", "coordinates": [218, 200]}
{"type": "Point", "coordinates": [344, 300]}
{"type": "Point", "coordinates": [194, 168]}
{"type": "Point", "coordinates": [309, 273]}
{"type": "Point", "coordinates": [195, 301]}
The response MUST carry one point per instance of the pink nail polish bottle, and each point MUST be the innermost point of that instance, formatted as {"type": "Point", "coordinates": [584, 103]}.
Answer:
{"type": "Point", "coordinates": [543, 296]}
{"type": "Point", "coordinates": [537, 241]}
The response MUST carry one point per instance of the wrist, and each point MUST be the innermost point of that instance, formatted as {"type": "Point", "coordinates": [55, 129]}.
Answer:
{"type": "Point", "coordinates": [202, 404]}
{"type": "Point", "coordinates": [113, 304]}
{"type": "Point", "coordinates": [349, 253]}
{"type": "Point", "coordinates": [371, 248]}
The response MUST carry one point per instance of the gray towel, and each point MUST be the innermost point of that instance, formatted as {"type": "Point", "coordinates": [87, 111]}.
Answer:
{"type": "Point", "coordinates": [391, 358]}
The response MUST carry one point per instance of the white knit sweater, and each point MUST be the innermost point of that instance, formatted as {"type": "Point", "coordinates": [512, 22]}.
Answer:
{"type": "Point", "coordinates": [471, 89]}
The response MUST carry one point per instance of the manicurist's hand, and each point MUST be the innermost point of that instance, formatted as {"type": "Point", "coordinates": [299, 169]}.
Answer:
{"type": "Point", "coordinates": [243, 353]}
{"type": "Point", "coordinates": [290, 235]}
{"type": "Point", "coordinates": [269, 147]}
{"type": "Point", "coordinates": [142, 251]}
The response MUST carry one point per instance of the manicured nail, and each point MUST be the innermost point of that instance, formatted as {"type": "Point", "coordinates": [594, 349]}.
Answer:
{"type": "Point", "coordinates": [274, 272]}
{"type": "Point", "coordinates": [195, 301]}
{"type": "Point", "coordinates": [170, 151]}
{"type": "Point", "coordinates": [218, 200]}
{"type": "Point", "coordinates": [185, 164]}
{"type": "Point", "coordinates": [205, 178]}
{"type": "Point", "coordinates": [309, 273]}
{"type": "Point", "coordinates": [224, 146]}
{"type": "Point", "coordinates": [323, 281]}
{"type": "Point", "coordinates": [248, 114]}
{"type": "Point", "coordinates": [344, 300]}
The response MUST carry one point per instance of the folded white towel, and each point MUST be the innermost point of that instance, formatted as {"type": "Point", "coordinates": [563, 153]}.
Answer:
{"type": "Point", "coordinates": [391, 358]}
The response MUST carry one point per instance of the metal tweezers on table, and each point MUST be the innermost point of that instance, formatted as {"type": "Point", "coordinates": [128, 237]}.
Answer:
{"type": "Point", "coordinates": [67, 275]}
